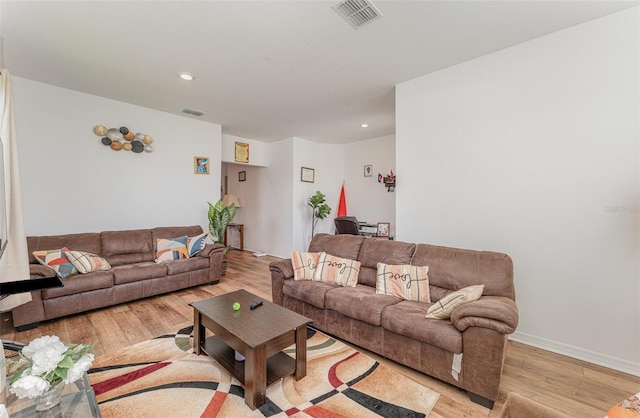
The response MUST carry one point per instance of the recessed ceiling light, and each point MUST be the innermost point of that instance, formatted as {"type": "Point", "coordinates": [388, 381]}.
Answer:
{"type": "Point", "coordinates": [186, 76]}
{"type": "Point", "coordinates": [364, 125]}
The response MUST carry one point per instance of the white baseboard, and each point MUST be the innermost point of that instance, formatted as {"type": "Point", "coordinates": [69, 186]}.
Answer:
{"type": "Point", "coordinates": [604, 360]}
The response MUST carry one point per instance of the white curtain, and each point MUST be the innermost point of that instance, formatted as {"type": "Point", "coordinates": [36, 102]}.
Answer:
{"type": "Point", "coordinates": [14, 264]}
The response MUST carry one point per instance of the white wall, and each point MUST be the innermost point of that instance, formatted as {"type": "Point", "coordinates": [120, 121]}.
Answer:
{"type": "Point", "coordinates": [534, 151]}
{"type": "Point", "coordinates": [73, 183]}
{"type": "Point", "coordinates": [367, 199]}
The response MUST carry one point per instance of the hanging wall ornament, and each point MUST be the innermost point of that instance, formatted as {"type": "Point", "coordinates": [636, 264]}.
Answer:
{"type": "Point", "coordinates": [123, 139]}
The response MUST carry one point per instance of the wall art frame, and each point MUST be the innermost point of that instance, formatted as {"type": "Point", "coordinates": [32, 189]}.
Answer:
{"type": "Point", "coordinates": [200, 165]}
{"type": "Point", "coordinates": [242, 176]}
{"type": "Point", "coordinates": [383, 229]}
{"type": "Point", "coordinates": [241, 152]}
{"type": "Point", "coordinates": [368, 170]}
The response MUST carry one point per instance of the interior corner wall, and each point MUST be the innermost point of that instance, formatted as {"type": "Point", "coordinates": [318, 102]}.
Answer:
{"type": "Point", "coordinates": [367, 199]}
{"type": "Point", "coordinates": [327, 161]}
{"type": "Point", "coordinates": [72, 183]}
{"type": "Point", "coordinates": [534, 151]}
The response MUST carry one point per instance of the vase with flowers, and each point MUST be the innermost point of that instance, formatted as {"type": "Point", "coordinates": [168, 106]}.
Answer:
{"type": "Point", "coordinates": [45, 366]}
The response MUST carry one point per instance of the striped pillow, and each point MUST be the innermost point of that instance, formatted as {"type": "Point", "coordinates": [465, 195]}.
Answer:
{"type": "Point", "coordinates": [341, 271]}
{"type": "Point", "coordinates": [404, 281]}
{"type": "Point", "coordinates": [442, 308]}
{"type": "Point", "coordinates": [171, 249]}
{"type": "Point", "coordinates": [57, 261]}
{"type": "Point", "coordinates": [304, 265]}
{"type": "Point", "coordinates": [196, 244]}
{"type": "Point", "coordinates": [87, 262]}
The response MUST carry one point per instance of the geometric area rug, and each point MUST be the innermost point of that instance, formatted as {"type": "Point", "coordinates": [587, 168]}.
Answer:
{"type": "Point", "coordinates": [162, 377]}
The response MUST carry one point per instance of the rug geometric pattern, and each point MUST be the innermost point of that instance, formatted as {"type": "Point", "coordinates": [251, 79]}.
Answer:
{"type": "Point", "coordinates": [164, 378]}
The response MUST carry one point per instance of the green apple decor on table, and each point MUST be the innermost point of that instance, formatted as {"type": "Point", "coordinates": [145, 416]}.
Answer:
{"type": "Point", "coordinates": [45, 366]}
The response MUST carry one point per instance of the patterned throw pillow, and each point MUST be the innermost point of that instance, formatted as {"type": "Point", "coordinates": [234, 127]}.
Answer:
{"type": "Point", "coordinates": [304, 265]}
{"type": "Point", "coordinates": [57, 261]}
{"type": "Point", "coordinates": [171, 249]}
{"type": "Point", "coordinates": [196, 244]}
{"type": "Point", "coordinates": [341, 271]}
{"type": "Point", "coordinates": [442, 308]}
{"type": "Point", "coordinates": [87, 262]}
{"type": "Point", "coordinates": [403, 281]}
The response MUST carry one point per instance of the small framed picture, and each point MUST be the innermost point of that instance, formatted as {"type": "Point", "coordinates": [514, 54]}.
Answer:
{"type": "Point", "coordinates": [242, 176]}
{"type": "Point", "coordinates": [368, 170]}
{"type": "Point", "coordinates": [307, 174]}
{"type": "Point", "coordinates": [242, 152]}
{"type": "Point", "coordinates": [201, 165]}
{"type": "Point", "coordinates": [383, 229]}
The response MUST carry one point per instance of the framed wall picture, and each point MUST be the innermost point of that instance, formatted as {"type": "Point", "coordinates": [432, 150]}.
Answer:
{"type": "Point", "coordinates": [368, 170]}
{"type": "Point", "coordinates": [242, 176]}
{"type": "Point", "coordinates": [307, 174]}
{"type": "Point", "coordinates": [242, 152]}
{"type": "Point", "coordinates": [383, 229]}
{"type": "Point", "coordinates": [201, 165]}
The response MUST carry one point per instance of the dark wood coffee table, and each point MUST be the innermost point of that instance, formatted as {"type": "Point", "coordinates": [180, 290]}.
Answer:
{"type": "Point", "coordinates": [260, 335]}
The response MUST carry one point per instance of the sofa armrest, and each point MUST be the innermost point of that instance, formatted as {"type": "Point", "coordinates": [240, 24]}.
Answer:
{"type": "Point", "coordinates": [493, 312]}
{"type": "Point", "coordinates": [37, 271]}
{"type": "Point", "coordinates": [283, 268]}
{"type": "Point", "coordinates": [210, 249]}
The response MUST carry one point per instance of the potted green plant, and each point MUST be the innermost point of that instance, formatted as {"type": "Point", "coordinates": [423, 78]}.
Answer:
{"type": "Point", "coordinates": [220, 215]}
{"type": "Point", "coordinates": [320, 210]}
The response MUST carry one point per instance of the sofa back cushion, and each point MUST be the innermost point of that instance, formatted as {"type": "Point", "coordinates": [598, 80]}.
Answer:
{"type": "Point", "coordinates": [88, 242]}
{"type": "Point", "coordinates": [451, 269]}
{"type": "Point", "coordinates": [343, 245]}
{"type": "Point", "coordinates": [127, 247]}
{"type": "Point", "coordinates": [385, 251]}
{"type": "Point", "coordinates": [166, 232]}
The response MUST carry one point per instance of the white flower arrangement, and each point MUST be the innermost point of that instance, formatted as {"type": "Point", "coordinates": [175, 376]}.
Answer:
{"type": "Point", "coordinates": [45, 363]}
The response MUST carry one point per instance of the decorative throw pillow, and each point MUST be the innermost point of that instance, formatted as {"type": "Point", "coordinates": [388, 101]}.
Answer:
{"type": "Point", "coordinates": [57, 261]}
{"type": "Point", "coordinates": [442, 308]}
{"type": "Point", "coordinates": [341, 271]}
{"type": "Point", "coordinates": [403, 281]}
{"type": "Point", "coordinates": [87, 262]}
{"type": "Point", "coordinates": [171, 249]}
{"type": "Point", "coordinates": [196, 244]}
{"type": "Point", "coordinates": [304, 265]}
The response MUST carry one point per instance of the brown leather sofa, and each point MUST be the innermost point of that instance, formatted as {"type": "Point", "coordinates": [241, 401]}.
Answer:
{"type": "Point", "coordinates": [134, 273]}
{"type": "Point", "coordinates": [475, 336]}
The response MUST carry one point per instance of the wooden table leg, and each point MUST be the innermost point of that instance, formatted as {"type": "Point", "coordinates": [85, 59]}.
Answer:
{"type": "Point", "coordinates": [198, 332]}
{"type": "Point", "coordinates": [255, 376]}
{"type": "Point", "coordinates": [301, 352]}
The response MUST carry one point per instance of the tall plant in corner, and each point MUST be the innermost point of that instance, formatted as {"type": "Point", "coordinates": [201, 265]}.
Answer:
{"type": "Point", "coordinates": [320, 210]}
{"type": "Point", "coordinates": [220, 216]}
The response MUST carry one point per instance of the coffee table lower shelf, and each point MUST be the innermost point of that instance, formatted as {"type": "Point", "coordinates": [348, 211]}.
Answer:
{"type": "Point", "coordinates": [279, 365]}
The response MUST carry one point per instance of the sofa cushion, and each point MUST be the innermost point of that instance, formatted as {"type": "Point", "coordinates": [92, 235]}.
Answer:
{"type": "Point", "coordinates": [360, 302]}
{"type": "Point", "coordinates": [89, 242]}
{"type": "Point", "coordinates": [443, 308]}
{"type": "Point", "coordinates": [175, 231]}
{"type": "Point", "coordinates": [403, 281]}
{"type": "Point", "coordinates": [139, 271]}
{"type": "Point", "coordinates": [341, 271]}
{"type": "Point", "coordinates": [80, 284]}
{"type": "Point", "coordinates": [304, 265]}
{"type": "Point", "coordinates": [171, 249]}
{"type": "Point", "coordinates": [345, 246]}
{"type": "Point", "coordinates": [385, 251]}
{"type": "Point", "coordinates": [87, 262]}
{"type": "Point", "coordinates": [407, 318]}
{"type": "Point", "coordinates": [126, 247]}
{"type": "Point", "coordinates": [455, 268]}
{"type": "Point", "coordinates": [313, 293]}
{"type": "Point", "coordinates": [186, 265]}
{"type": "Point", "coordinates": [56, 260]}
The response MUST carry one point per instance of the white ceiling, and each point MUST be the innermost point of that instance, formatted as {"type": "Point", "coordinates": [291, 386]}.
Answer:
{"type": "Point", "coordinates": [267, 70]}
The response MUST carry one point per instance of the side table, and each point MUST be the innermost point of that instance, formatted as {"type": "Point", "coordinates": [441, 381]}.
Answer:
{"type": "Point", "coordinates": [240, 228]}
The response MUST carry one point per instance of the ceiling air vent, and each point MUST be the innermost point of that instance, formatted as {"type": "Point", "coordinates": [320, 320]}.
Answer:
{"type": "Point", "coordinates": [357, 12]}
{"type": "Point", "coordinates": [192, 112]}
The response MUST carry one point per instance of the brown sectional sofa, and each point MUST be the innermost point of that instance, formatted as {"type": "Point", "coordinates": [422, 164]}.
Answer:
{"type": "Point", "coordinates": [134, 273]}
{"type": "Point", "coordinates": [476, 334]}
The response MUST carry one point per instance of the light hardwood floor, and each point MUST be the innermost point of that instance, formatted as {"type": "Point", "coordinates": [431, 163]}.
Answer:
{"type": "Point", "coordinates": [575, 387]}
